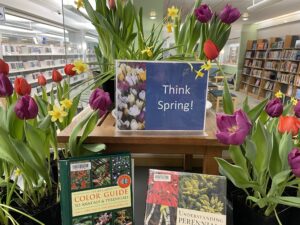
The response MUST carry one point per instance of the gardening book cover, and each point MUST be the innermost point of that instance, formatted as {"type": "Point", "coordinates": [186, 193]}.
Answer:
{"type": "Point", "coordinates": [97, 190]}
{"type": "Point", "coordinates": [179, 198]}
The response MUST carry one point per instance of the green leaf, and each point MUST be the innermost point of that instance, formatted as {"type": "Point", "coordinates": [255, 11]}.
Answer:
{"type": "Point", "coordinates": [91, 123]}
{"type": "Point", "coordinates": [275, 162]}
{"type": "Point", "coordinates": [227, 100]}
{"type": "Point", "coordinates": [74, 150]}
{"type": "Point", "coordinates": [73, 110]}
{"type": "Point", "coordinates": [245, 106]}
{"type": "Point", "coordinates": [45, 123]}
{"type": "Point", "coordinates": [261, 202]}
{"type": "Point", "coordinates": [255, 112]}
{"type": "Point", "coordinates": [277, 181]}
{"type": "Point", "coordinates": [42, 104]}
{"type": "Point", "coordinates": [234, 173]}
{"type": "Point", "coordinates": [289, 201]}
{"type": "Point", "coordinates": [285, 146]}
{"type": "Point", "coordinates": [237, 157]}
{"type": "Point", "coordinates": [15, 125]}
{"type": "Point", "coordinates": [94, 147]}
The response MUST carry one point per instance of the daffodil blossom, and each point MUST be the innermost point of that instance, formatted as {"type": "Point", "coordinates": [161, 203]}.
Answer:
{"type": "Point", "coordinates": [57, 113]}
{"type": "Point", "coordinates": [169, 27]}
{"type": "Point", "coordinates": [66, 103]}
{"type": "Point", "coordinates": [199, 73]}
{"type": "Point", "coordinates": [206, 66]}
{"type": "Point", "coordinates": [148, 51]}
{"type": "Point", "coordinates": [294, 101]}
{"type": "Point", "coordinates": [173, 12]}
{"type": "Point", "coordinates": [279, 94]}
{"type": "Point", "coordinates": [79, 4]}
{"type": "Point", "coordinates": [80, 66]}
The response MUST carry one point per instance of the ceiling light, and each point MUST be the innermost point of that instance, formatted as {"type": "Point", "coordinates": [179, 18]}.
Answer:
{"type": "Point", "coordinates": [262, 4]}
{"type": "Point", "coordinates": [9, 28]}
{"type": "Point", "coordinates": [51, 28]}
{"type": "Point", "coordinates": [152, 15]}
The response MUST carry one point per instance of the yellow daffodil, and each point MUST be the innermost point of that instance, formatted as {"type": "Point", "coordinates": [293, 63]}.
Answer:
{"type": "Point", "coordinates": [294, 101]}
{"type": "Point", "coordinates": [169, 27]}
{"type": "Point", "coordinates": [172, 12]}
{"type": "Point", "coordinates": [279, 94]}
{"type": "Point", "coordinates": [199, 73]}
{"type": "Point", "coordinates": [80, 66]}
{"type": "Point", "coordinates": [66, 103]}
{"type": "Point", "coordinates": [18, 172]}
{"type": "Point", "coordinates": [79, 4]}
{"type": "Point", "coordinates": [206, 66]}
{"type": "Point", "coordinates": [57, 113]}
{"type": "Point", "coordinates": [148, 51]}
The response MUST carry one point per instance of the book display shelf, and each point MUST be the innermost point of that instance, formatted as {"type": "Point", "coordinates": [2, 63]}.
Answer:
{"type": "Point", "coordinates": [272, 65]}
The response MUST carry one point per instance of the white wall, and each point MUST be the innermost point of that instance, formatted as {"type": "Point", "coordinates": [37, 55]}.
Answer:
{"type": "Point", "coordinates": [280, 30]}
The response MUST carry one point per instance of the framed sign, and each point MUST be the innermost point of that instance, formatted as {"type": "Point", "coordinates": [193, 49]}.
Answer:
{"type": "Point", "coordinates": [160, 95]}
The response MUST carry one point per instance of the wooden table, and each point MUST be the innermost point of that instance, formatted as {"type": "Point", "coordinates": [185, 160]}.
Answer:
{"type": "Point", "coordinates": [186, 143]}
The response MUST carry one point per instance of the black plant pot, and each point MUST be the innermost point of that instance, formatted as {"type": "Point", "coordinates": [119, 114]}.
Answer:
{"type": "Point", "coordinates": [109, 86]}
{"type": "Point", "coordinates": [48, 216]}
{"type": "Point", "coordinates": [246, 215]}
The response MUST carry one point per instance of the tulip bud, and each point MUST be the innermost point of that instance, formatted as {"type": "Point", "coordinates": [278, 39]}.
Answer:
{"type": "Point", "coordinates": [26, 108]}
{"type": "Point", "coordinates": [111, 4]}
{"type": "Point", "coordinates": [42, 80]}
{"type": "Point", "coordinates": [6, 88]}
{"type": "Point", "coordinates": [22, 87]}
{"type": "Point", "coordinates": [297, 109]}
{"type": "Point", "coordinates": [203, 13]}
{"type": "Point", "coordinates": [229, 14]}
{"type": "Point", "coordinates": [274, 108]}
{"type": "Point", "coordinates": [294, 161]}
{"type": "Point", "coordinates": [100, 100]}
{"type": "Point", "coordinates": [4, 68]}
{"type": "Point", "coordinates": [56, 76]}
{"type": "Point", "coordinates": [210, 49]}
{"type": "Point", "coordinates": [69, 70]}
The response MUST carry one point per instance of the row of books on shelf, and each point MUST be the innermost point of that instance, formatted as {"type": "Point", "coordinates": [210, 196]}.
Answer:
{"type": "Point", "coordinates": [277, 44]}
{"type": "Point", "coordinates": [32, 64]}
{"type": "Point", "coordinates": [291, 55]}
{"type": "Point", "coordinates": [246, 70]}
{"type": "Point", "coordinates": [272, 65]}
{"type": "Point", "coordinates": [256, 73]}
{"type": "Point", "coordinates": [289, 66]}
{"type": "Point", "coordinates": [274, 54]}
{"type": "Point", "coordinates": [260, 55]}
{"type": "Point", "coordinates": [269, 85]}
{"type": "Point", "coordinates": [257, 63]}
{"type": "Point", "coordinates": [260, 45]}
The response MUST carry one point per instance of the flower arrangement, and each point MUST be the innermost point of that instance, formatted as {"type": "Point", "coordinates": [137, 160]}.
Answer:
{"type": "Point", "coordinates": [264, 150]}
{"type": "Point", "coordinates": [28, 127]}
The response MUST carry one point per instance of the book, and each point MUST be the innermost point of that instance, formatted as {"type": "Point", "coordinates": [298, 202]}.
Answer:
{"type": "Point", "coordinates": [297, 93]}
{"type": "Point", "coordinates": [179, 198]}
{"type": "Point", "coordinates": [96, 190]}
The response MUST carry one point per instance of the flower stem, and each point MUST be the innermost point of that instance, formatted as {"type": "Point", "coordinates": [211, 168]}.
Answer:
{"type": "Point", "coordinates": [277, 217]}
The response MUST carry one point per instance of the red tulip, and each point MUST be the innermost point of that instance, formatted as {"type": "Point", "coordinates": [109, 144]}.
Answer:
{"type": "Point", "coordinates": [4, 68]}
{"type": "Point", "coordinates": [22, 87]}
{"type": "Point", "coordinates": [210, 49]}
{"type": "Point", "coordinates": [69, 70]}
{"type": "Point", "coordinates": [289, 124]}
{"type": "Point", "coordinates": [111, 4]}
{"type": "Point", "coordinates": [56, 76]}
{"type": "Point", "coordinates": [42, 80]}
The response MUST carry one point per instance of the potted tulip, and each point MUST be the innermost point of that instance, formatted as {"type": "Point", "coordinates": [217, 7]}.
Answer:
{"type": "Point", "coordinates": [265, 158]}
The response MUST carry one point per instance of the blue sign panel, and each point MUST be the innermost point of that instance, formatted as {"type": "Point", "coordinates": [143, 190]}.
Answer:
{"type": "Point", "coordinates": [160, 96]}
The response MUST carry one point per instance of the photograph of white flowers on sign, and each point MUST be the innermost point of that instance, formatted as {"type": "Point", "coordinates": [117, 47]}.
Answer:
{"type": "Point", "coordinates": [131, 95]}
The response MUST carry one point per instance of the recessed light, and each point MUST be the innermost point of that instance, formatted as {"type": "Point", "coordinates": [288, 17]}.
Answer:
{"type": "Point", "coordinates": [152, 15]}
{"type": "Point", "coordinates": [245, 18]}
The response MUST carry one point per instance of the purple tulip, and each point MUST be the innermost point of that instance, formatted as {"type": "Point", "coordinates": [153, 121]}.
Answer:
{"type": "Point", "coordinates": [274, 108]}
{"type": "Point", "coordinates": [123, 86]}
{"type": "Point", "coordinates": [6, 88]}
{"type": "Point", "coordinates": [233, 129]}
{"type": "Point", "coordinates": [26, 108]}
{"type": "Point", "coordinates": [100, 100]}
{"type": "Point", "coordinates": [294, 161]}
{"type": "Point", "coordinates": [229, 14]}
{"type": "Point", "coordinates": [297, 110]}
{"type": "Point", "coordinates": [203, 13]}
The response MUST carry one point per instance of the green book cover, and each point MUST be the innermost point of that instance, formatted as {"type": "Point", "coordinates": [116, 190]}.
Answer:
{"type": "Point", "coordinates": [96, 190]}
{"type": "Point", "coordinates": [180, 198]}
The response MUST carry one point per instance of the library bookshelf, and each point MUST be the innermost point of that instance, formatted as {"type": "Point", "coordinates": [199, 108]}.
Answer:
{"type": "Point", "coordinates": [272, 65]}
